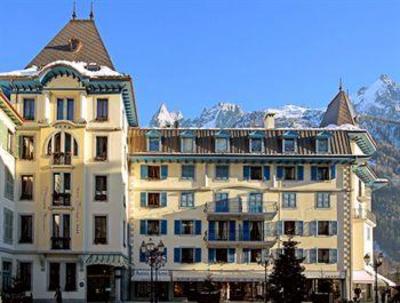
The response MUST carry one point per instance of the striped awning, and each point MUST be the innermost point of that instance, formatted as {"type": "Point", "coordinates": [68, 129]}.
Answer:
{"type": "Point", "coordinates": [107, 259]}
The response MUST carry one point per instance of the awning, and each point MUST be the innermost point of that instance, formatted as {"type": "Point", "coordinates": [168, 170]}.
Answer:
{"type": "Point", "coordinates": [107, 259]}
{"type": "Point", "coordinates": [145, 275]}
{"type": "Point", "coordinates": [366, 277]}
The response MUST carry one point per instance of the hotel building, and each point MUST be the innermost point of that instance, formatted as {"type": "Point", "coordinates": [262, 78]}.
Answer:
{"type": "Point", "coordinates": [83, 186]}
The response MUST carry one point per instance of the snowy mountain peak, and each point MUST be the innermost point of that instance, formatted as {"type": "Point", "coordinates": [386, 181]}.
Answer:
{"type": "Point", "coordinates": [164, 118]}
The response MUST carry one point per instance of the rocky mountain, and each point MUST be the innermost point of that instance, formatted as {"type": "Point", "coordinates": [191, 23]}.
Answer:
{"type": "Point", "coordinates": [378, 107]}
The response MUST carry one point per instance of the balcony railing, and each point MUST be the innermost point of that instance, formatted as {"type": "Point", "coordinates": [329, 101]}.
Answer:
{"type": "Point", "coordinates": [60, 158]}
{"type": "Point", "coordinates": [61, 199]}
{"type": "Point", "coordinates": [238, 207]}
{"type": "Point", "coordinates": [60, 242]}
{"type": "Point", "coordinates": [363, 213]}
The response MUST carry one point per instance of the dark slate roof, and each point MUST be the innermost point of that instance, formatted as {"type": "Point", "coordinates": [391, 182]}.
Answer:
{"type": "Point", "coordinates": [79, 40]}
{"type": "Point", "coordinates": [339, 111]}
{"type": "Point", "coordinates": [239, 141]}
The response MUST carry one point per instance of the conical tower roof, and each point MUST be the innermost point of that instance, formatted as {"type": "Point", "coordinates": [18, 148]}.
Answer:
{"type": "Point", "coordinates": [340, 111]}
{"type": "Point", "coordinates": [78, 41]}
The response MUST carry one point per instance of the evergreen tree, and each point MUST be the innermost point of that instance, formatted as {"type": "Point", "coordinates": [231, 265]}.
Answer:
{"type": "Point", "coordinates": [287, 282]}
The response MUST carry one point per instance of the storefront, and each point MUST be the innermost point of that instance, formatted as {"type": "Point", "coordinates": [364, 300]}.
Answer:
{"type": "Point", "coordinates": [364, 285]}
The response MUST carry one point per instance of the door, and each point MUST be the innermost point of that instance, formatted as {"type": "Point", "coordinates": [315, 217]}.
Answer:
{"type": "Point", "coordinates": [100, 283]}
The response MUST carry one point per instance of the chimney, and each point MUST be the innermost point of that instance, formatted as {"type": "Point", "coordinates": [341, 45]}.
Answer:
{"type": "Point", "coordinates": [269, 120]}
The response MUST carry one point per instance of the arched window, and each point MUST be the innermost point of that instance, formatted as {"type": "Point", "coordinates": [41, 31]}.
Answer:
{"type": "Point", "coordinates": [62, 143]}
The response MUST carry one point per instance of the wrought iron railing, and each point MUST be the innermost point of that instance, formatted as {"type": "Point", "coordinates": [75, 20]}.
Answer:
{"type": "Point", "coordinates": [60, 158]}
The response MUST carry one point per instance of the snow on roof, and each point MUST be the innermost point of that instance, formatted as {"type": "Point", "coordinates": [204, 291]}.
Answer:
{"type": "Point", "coordinates": [343, 127]}
{"type": "Point", "coordinates": [81, 67]}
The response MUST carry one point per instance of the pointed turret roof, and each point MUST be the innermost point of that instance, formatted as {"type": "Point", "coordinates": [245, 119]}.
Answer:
{"type": "Point", "coordinates": [340, 111]}
{"type": "Point", "coordinates": [79, 41]}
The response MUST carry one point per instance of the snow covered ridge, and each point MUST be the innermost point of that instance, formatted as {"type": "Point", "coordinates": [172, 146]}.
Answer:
{"type": "Point", "coordinates": [81, 67]}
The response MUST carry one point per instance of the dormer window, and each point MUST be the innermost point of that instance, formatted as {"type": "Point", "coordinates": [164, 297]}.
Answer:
{"type": "Point", "coordinates": [187, 141]}
{"type": "Point", "coordinates": [222, 141]}
{"type": "Point", "coordinates": [289, 142]}
{"type": "Point", "coordinates": [256, 142]}
{"type": "Point", "coordinates": [322, 143]}
{"type": "Point", "coordinates": [153, 141]}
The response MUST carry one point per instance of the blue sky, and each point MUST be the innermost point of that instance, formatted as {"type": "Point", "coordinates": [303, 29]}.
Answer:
{"type": "Point", "coordinates": [191, 54]}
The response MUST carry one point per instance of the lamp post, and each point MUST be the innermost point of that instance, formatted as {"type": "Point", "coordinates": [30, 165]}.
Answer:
{"type": "Point", "coordinates": [376, 263]}
{"type": "Point", "coordinates": [264, 260]}
{"type": "Point", "coordinates": [155, 257]}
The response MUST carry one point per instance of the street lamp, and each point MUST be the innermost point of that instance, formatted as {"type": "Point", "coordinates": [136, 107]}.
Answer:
{"type": "Point", "coordinates": [264, 260]}
{"type": "Point", "coordinates": [154, 256]}
{"type": "Point", "coordinates": [376, 263]}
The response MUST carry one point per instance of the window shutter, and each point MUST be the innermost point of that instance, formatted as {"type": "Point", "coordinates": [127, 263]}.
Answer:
{"type": "Point", "coordinates": [142, 256]}
{"type": "Point", "coordinates": [163, 199]}
{"type": "Point", "coordinates": [246, 172]}
{"type": "Point", "coordinates": [299, 228]}
{"type": "Point", "coordinates": [312, 228]}
{"type": "Point", "coordinates": [333, 171]}
{"type": "Point", "coordinates": [143, 171]}
{"type": "Point", "coordinates": [332, 256]}
{"type": "Point", "coordinates": [143, 199]}
{"type": "Point", "coordinates": [232, 227]}
{"type": "Point", "coordinates": [312, 256]}
{"type": "Point", "coordinates": [313, 173]}
{"type": "Point", "coordinates": [164, 171]}
{"type": "Point", "coordinates": [165, 254]}
{"type": "Point", "coordinates": [211, 255]}
{"type": "Point", "coordinates": [197, 255]}
{"type": "Point", "coordinates": [246, 255]}
{"type": "Point", "coordinates": [163, 227]}
{"type": "Point", "coordinates": [279, 172]}
{"type": "Point", "coordinates": [300, 173]}
{"type": "Point", "coordinates": [333, 228]}
{"type": "Point", "coordinates": [299, 253]}
{"type": "Point", "coordinates": [198, 227]}
{"type": "Point", "coordinates": [143, 227]}
{"type": "Point", "coordinates": [211, 230]}
{"type": "Point", "coordinates": [279, 228]}
{"type": "Point", "coordinates": [177, 255]}
{"type": "Point", "coordinates": [177, 227]}
{"type": "Point", "coordinates": [246, 230]}
{"type": "Point", "coordinates": [267, 173]}
{"type": "Point", "coordinates": [231, 255]}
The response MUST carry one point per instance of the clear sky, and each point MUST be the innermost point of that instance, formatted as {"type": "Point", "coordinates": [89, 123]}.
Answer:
{"type": "Point", "coordinates": [191, 54]}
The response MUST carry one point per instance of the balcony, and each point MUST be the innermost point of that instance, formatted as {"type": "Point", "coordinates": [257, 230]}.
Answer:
{"type": "Point", "coordinates": [60, 242]}
{"type": "Point", "coordinates": [59, 158]}
{"type": "Point", "coordinates": [365, 214]}
{"type": "Point", "coordinates": [235, 208]}
{"type": "Point", "coordinates": [61, 199]}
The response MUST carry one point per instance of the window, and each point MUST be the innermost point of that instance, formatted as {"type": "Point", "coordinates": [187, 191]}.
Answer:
{"type": "Point", "coordinates": [221, 202]}
{"type": "Point", "coordinates": [222, 230]}
{"type": "Point", "coordinates": [289, 200]}
{"type": "Point", "coordinates": [187, 144]}
{"type": "Point", "coordinates": [54, 276]}
{"type": "Point", "coordinates": [10, 142]}
{"type": "Point", "coordinates": [255, 203]}
{"type": "Point", "coordinates": [70, 277]}
{"type": "Point", "coordinates": [323, 228]}
{"type": "Point", "coordinates": [101, 148]}
{"type": "Point", "coordinates": [65, 109]}
{"type": "Point", "coordinates": [253, 230]}
{"type": "Point", "coordinates": [256, 145]}
{"type": "Point", "coordinates": [9, 184]}
{"type": "Point", "coordinates": [29, 109]}
{"type": "Point", "coordinates": [255, 172]}
{"type": "Point", "coordinates": [154, 144]}
{"type": "Point", "coordinates": [26, 187]}
{"type": "Point", "coordinates": [323, 200]}
{"type": "Point", "coordinates": [222, 172]}
{"type": "Point", "coordinates": [323, 256]}
{"type": "Point", "coordinates": [322, 173]}
{"type": "Point", "coordinates": [102, 110]}
{"type": "Point", "coordinates": [100, 188]}
{"type": "Point", "coordinates": [187, 255]}
{"type": "Point", "coordinates": [221, 145]}
{"type": "Point", "coordinates": [221, 255]}
{"type": "Point", "coordinates": [360, 188]}
{"type": "Point", "coordinates": [188, 172]}
{"type": "Point", "coordinates": [289, 145]}
{"type": "Point", "coordinates": [26, 229]}
{"type": "Point", "coordinates": [62, 189]}
{"type": "Point", "coordinates": [154, 172]}
{"type": "Point", "coordinates": [153, 227]}
{"type": "Point", "coordinates": [289, 228]}
{"type": "Point", "coordinates": [100, 230]}
{"type": "Point", "coordinates": [289, 173]}
{"type": "Point", "coordinates": [187, 227]}
{"type": "Point", "coordinates": [251, 255]}
{"type": "Point", "coordinates": [6, 275]}
{"type": "Point", "coordinates": [187, 199]}
{"type": "Point", "coordinates": [368, 233]}
{"type": "Point", "coordinates": [153, 200]}
{"type": "Point", "coordinates": [8, 226]}
{"type": "Point", "coordinates": [27, 147]}
{"type": "Point", "coordinates": [61, 234]}
{"type": "Point", "coordinates": [25, 275]}
{"type": "Point", "coordinates": [322, 145]}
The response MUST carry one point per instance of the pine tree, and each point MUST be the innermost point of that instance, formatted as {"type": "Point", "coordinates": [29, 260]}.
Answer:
{"type": "Point", "coordinates": [287, 282]}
